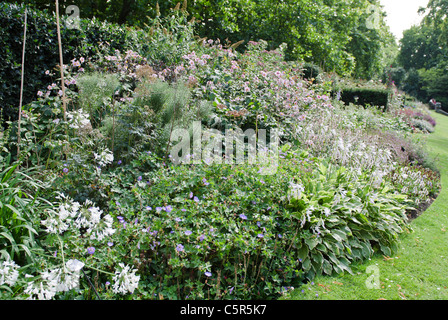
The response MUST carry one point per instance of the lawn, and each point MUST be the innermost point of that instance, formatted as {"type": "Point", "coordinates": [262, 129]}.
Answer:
{"type": "Point", "coordinates": [418, 270]}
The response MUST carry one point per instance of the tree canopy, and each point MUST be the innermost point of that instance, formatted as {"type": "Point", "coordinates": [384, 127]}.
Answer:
{"type": "Point", "coordinates": [348, 37]}
{"type": "Point", "coordinates": [424, 54]}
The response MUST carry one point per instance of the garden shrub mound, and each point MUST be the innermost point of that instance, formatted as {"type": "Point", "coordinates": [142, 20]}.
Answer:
{"type": "Point", "coordinates": [366, 96]}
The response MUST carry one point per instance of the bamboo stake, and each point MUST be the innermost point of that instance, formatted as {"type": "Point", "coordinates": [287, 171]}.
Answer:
{"type": "Point", "coordinates": [21, 87]}
{"type": "Point", "coordinates": [61, 62]}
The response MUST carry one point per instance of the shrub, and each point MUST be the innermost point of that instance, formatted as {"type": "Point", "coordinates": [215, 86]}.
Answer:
{"type": "Point", "coordinates": [366, 96]}
{"type": "Point", "coordinates": [42, 53]}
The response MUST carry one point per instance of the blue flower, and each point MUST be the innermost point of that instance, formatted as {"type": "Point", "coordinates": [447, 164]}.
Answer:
{"type": "Point", "coordinates": [260, 235]}
{"type": "Point", "coordinates": [139, 178]}
{"type": "Point", "coordinates": [119, 162]}
{"type": "Point", "coordinates": [208, 274]}
{"type": "Point", "coordinates": [168, 208]}
{"type": "Point", "coordinates": [148, 208]}
{"type": "Point", "coordinates": [196, 199]}
{"type": "Point", "coordinates": [90, 250]}
{"type": "Point", "coordinates": [180, 248]}
{"type": "Point", "coordinates": [178, 219]}
{"type": "Point", "coordinates": [188, 232]}
{"type": "Point", "coordinates": [243, 216]}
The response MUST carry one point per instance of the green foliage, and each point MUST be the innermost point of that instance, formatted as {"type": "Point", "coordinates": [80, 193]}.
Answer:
{"type": "Point", "coordinates": [366, 96]}
{"type": "Point", "coordinates": [423, 48]}
{"type": "Point", "coordinates": [19, 213]}
{"type": "Point", "coordinates": [120, 208]}
{"type": "Point", "coordinates": [42, 54]}
{"type": "Point", "coordinates": [96, 92]}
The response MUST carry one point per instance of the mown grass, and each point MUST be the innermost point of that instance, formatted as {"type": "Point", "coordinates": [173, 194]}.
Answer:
{"type": "Point", "coordinates": [418, 270]}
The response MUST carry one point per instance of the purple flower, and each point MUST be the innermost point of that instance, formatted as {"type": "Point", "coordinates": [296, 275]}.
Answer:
{"type": "Point", "coordinates": [260, 235]}
{"type": "Point", "coordinates": [110, 244]}
{"type": "Point", "coordinates": [119, 162]}
{"type": "Point", "coordinates": [202, 237]}
{"type": "Point", "coordinates": [148, 208]}
{"type": "Point", "coordinates": [180, 248]}
{"type": "Point", "coordinates": [168, 208]}
{"type": "Point", "coordinates": [183, 210]}
{"type": "Point", "coordinates": [243, 216]}
{"type": "Point", "coordinates": [191, 195]}
{"type": "Point", "coordinates": [65, 170]}
{"type": "Point", "coordinates": [178, 219]}
{"type": "Point", "coordinates": [204, 181]}
{"type": "Point", "coordinates": [158, 209]}
{"type": "Point", "coordinates": [208, 274]}
{"type": "Point", "coordinates": [121, 219]}
{"type": "Point", "coordinates": [90, 250]}
{"type": "Point", "coordinates": [188, 232]}
{"type": "Point", "coordinates": [196, 199]}
{"type": "Point", "coordinates": [139, 178]}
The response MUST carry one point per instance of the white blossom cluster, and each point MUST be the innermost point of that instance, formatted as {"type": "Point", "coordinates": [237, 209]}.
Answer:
{"type": "Point", "coordinates": [413, 182]}
{"type": "Point", "coordinates": [70, 214]}
{"type": "Point", "coordinates": [125, 280]}
{"type": "Point", "coordinates": [50, 282]}
{"type": "Point", "coordinates": [104, 158]}
{"type": "Point", "coordinates": [8, 272]}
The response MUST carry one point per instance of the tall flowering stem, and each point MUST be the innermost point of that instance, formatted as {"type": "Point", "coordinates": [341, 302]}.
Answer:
{"type": "Point", "coordinates": [61, 61]}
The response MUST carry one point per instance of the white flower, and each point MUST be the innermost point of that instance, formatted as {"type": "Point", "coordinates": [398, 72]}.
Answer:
{"type": "Point", "coordinates": [126, 280]}
{"type": "Point", "coordinates": [71, 214]}
{"type": "Point", "coordinates": [54, 281]}
{"type": "Point", "coordinates": [8, 272]}
{"type": "Point", "coordinates": [102, 229]}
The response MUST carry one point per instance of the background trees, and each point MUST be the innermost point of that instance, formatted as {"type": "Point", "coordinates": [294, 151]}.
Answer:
{"type": "Point", "coordinates": [424, 55]}
{"type": "Point", "coordinates": [346, 36]}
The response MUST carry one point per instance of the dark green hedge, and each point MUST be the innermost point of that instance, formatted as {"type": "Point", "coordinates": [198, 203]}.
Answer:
{"type": "Point", "coordinates": [42, 50]}
{"type": "Point", "coordinates": [366, 96]}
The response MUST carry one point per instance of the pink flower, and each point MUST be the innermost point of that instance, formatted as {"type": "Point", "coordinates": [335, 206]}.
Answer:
{"type": "Point", "coordinates": [40, 93]}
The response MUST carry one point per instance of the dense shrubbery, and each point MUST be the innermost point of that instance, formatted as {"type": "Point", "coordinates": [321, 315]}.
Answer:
{"type": "Point", "coordinates": [141, 227]}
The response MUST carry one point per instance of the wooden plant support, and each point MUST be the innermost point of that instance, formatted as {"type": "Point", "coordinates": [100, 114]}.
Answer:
{"type": "Point", "coordinates": [21, 87]}
{"type": "Point", "coordinates": [61, 63]}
